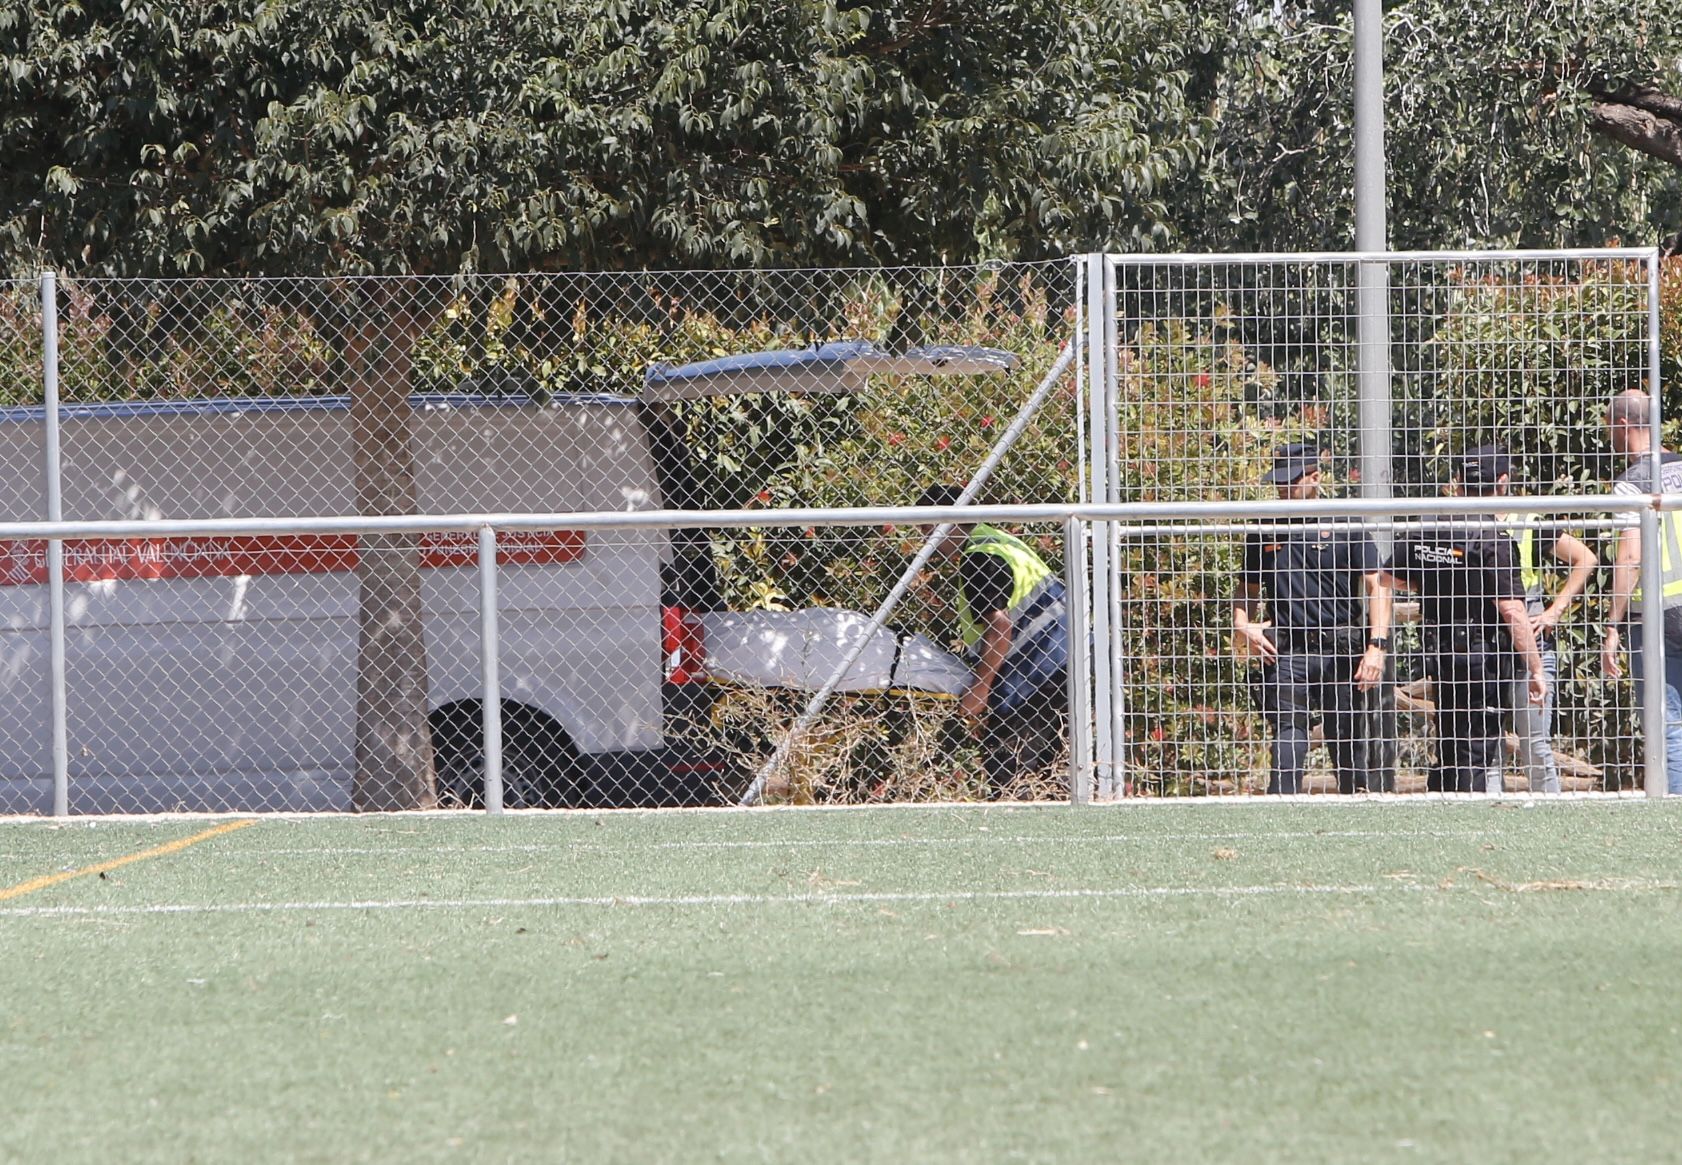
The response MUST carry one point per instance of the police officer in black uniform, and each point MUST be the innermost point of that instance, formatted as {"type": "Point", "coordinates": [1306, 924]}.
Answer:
{"type": "Point", "coordinates": [1318, 654]}
{"type": "Point", "coordinates": [1477, 634]}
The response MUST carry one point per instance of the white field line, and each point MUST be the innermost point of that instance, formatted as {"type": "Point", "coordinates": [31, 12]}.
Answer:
{"type": "Point", "coordinates": [862, 898]}
{"type": "Point", "coordinates": [681, 900]}
{"type": "Point", "coordinates": [836, 843]}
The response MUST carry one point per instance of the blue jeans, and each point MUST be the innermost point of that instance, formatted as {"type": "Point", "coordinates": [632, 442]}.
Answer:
{"type": "Point", "coordinates": [1672, 703]}
{"type": "Point", "coordinates": [1028, 709]}
{"type": "Point", "coordinates": [1534, 726]}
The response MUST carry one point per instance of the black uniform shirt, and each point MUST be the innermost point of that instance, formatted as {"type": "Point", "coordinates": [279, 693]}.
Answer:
{"type": "Point", "coordinates": [1311, 574]}
{"type": "Point", "coordinates": [1460, 571]}
{"type": "Point", "coordinates": [1637, 477]}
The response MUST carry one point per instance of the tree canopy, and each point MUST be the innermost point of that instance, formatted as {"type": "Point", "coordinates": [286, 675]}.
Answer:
{"type": "Point", "coordinates": [348, 135]}
{"type": "Point", "coordinates": [1507, 124]}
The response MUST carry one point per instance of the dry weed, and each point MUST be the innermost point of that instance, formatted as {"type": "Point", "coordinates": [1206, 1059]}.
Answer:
{"type": "Point", "coordinates": [868, 748]}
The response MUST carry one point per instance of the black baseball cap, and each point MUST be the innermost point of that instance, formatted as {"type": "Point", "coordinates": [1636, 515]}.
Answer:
{"type": "Point", "coordinates": [940, 495]}
{"type": "Point", "coordinates": [1484, 465]}
{"type": "Point", "coordinates": [1291, 463]}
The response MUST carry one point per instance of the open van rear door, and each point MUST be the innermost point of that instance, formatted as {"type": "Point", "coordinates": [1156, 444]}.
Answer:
{"type": "Point", "coordinates": [813, 637]}
{"type": "Point", "coordinates": [842, 366]}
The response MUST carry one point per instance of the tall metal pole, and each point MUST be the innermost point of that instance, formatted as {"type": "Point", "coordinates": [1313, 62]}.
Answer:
{"type": "Point", "coordinates": [490, 662]}
{"type": "Point", "coordinates": [1372, 341]}
{"type": "Point", "coordinates": [59, 698]}
{"type": "Point", "coordinates": [1098, 313]}
{"type": "Point", "coordinates": [1370, 210]}
{"type": "Point", "coordinates": [1372, 235]}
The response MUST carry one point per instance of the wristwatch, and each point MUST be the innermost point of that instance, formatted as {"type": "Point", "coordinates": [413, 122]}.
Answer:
{"type": "Point", "coordinates": [1379, 641]}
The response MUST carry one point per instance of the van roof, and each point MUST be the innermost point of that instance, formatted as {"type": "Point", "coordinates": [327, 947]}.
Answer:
{"type": "Point", "coordinates": [241, 405]}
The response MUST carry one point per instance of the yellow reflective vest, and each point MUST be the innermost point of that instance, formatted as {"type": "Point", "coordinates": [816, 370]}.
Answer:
{"type": "Point", "coordinates": [1029, 576]}
{"type": "Point", "coordinates": [1670, 571]}
{"type": "Point", "coordinates": [1530, 571]}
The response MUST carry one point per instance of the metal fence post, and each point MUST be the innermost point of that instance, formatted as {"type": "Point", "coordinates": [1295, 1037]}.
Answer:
{"type": "Point", "coordinates": [490, 663]}
{"type": "Point", "coordinates": [1655, 754]}
{"type": "Point", "coordinates": [55, 546]}
{"type": "Point", "coordinates": [1080, 662]}
{"type": "Point", "coordinates": [1117, 731]}
{"type": "Point", "coordinates": [1098, 431]}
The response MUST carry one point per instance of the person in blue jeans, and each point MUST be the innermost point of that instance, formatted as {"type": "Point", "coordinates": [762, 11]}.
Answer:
{"type": "Point", "coordinates": [1630, 433]}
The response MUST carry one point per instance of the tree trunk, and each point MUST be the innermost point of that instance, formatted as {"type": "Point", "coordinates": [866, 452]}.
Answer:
{"type": "Point", "coordinates": [394, 767]}
{"type": "Point", "coordinates": [1648, 122]}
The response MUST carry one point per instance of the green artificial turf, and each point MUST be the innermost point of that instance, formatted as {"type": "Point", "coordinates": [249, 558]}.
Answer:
{"type": "Point", "coordinates": [1444, 982]}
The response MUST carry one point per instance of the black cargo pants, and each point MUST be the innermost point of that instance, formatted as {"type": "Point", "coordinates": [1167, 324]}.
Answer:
{"type": "Point", "coordinates": [1472, 679]}
{"type": "Point", "coordinates": [1314, 673]}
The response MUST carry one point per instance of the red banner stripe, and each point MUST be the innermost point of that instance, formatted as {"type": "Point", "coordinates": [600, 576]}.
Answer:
{"type": "Point", "coordinates": [24, 562]}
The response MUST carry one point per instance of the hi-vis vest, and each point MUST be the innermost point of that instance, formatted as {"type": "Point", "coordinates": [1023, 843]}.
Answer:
{"type": "Point", "coordinates": [1669, 481]}
{"type": "Point", "coordinates": [1670, 571]}
{"type": "Point", "coordinates": [1530, 571]}
{"type": "Point", "coordinates": [1030, 578]}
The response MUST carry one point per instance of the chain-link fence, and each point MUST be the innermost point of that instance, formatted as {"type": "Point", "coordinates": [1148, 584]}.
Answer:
{"type": "Point", "coordinates": [214, 671]}
{"type": "Point", "coordinates": [535, 394]}
{"type": "Point", "coordinates": [888, 379]}
{"type": "Point", "coordinates": [1306, 378]}
{"type": "Point", "coordinates": [812, 655]}
{"type": "Point", "coordinates": [1211, 710]}
{"type": "Point", "coordinates": [231, 672]}
{"type": "Point", "coordinates": [1218, 361]}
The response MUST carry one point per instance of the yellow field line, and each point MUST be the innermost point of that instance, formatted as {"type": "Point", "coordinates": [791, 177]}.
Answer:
{"type": "Point", "coordinates": [156, 851]}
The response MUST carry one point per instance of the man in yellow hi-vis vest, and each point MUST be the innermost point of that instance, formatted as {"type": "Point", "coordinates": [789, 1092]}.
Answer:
{"type": "Point", "coordinates": [1630, 433]}
{"type": "Point", "coordinates": [1013, 619]}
